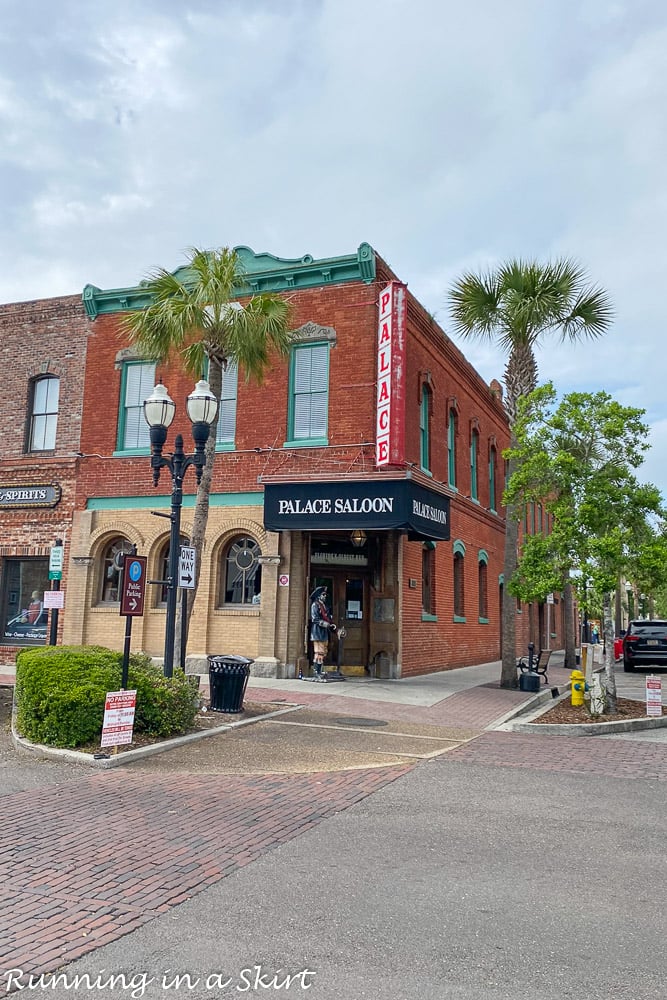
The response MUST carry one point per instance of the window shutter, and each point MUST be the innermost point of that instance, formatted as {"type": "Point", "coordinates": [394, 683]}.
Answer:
{"type": "Point", "coordinates": [311, 392]}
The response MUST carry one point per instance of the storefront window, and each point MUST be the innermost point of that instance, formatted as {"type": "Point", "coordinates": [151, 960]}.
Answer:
{"type": "Point", "coordinates": [112, 561]}
{"type": "Point", "coordinates": [242, 572]}
{"type": "Point", "coordinates": [24, 617]}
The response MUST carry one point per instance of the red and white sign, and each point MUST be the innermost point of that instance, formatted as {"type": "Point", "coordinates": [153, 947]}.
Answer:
{"type": "Point", "coordinates": [118, 722]}
{"type": "Point", "coordinates": [54, 598]}
{"type": "Point", "coordinates": [390, 406]}
{"type": "Point", "coordinates": [653, 695]}
{"type": "Point", "coordinates": [283, 580]}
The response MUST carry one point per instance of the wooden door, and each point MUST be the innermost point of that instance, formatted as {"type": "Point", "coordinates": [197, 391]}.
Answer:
{"type": "Point", "coordinates": [348, 598]}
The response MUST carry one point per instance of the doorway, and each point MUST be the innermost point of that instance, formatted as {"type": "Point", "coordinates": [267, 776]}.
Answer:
{"type": "Point", "coordinates": [348, 598]}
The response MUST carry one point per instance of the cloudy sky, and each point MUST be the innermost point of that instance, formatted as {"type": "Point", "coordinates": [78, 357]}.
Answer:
{"type": "Point", "coordinates": [449, 135]}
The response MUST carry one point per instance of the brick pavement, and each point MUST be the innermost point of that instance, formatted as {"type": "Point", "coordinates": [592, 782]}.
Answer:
{"type": "Point", "coordinates": [581, 755]}
{"type": "Point", "coordinates": [474, 708]}
{"type": "Point", "coordinates": [86, 863]}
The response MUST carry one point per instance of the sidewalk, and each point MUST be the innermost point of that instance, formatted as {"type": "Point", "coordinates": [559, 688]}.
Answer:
{"type": "Point", "coordinates": [468, 697]}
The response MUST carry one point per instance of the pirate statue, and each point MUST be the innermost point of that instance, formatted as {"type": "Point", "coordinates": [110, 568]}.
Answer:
{"type": "Point", "coordinates": [321, 625]}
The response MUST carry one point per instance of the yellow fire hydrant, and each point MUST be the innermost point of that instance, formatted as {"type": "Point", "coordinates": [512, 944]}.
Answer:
{"type": "Point", "coordinates": [579, 687]}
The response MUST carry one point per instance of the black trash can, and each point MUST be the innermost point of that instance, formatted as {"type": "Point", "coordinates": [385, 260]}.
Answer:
{"type": "Point", "coordinates": [529, 682]}
{"type": "Point", "coordinates": [228, 679]}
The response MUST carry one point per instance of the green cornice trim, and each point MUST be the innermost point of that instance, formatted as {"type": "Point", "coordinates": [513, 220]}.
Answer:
{"type": "Point", "coordinates": [262, 271]}
{"type": "Point", "coordinates": [151, 502]}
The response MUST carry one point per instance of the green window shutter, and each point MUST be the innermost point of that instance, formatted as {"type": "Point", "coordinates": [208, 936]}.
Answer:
{"type": "Point", "coordinates": [226, 430]}
{"type": "Point", "coordinates": [139, 383]}
{"type": "Point", "coordinates": [310, 392]}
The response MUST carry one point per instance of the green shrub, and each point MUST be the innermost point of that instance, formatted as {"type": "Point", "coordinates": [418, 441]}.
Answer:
{"type": "Point", "coordinates": [60, 694]}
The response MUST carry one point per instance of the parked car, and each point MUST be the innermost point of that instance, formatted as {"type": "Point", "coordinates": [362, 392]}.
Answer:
{"type": "Point", "coordinates": [645, 644]}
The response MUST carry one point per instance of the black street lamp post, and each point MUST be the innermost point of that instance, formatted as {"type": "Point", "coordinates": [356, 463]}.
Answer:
{"type": "Point", "coordinates": [159, 411]}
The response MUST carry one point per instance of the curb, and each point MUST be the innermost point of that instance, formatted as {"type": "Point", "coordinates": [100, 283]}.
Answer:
{"type": "Point", "coordinates": [582, 728]}
{"type": "Point", "coordinates": [117, 760]}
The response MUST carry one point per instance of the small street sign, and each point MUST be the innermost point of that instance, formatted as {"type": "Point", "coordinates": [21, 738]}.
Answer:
{"type": "Point", "coordinates": [54, 598]}
{"type": "Point", "coordinates": [119, 708]}
{"type": "Point", "coordinates": [186, 567]}
{"type": "Point", "coordinates": [283, 580]}
{"type": "Point", "coordinates": [56, 562]}
{"type": "Point", "coordinates": [653, 695]}
{"type": "Point", "coordinates": [134, 586]}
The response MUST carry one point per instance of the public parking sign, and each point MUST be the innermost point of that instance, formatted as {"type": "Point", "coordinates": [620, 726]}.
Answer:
{"type": "Point", "coordinates": [134, 586]}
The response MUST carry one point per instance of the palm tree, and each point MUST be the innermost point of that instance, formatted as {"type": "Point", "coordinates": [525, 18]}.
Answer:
{"type": "Point", "coordinates": [516, 306]}
{"type": "Point", "coordinates": [195, 315]}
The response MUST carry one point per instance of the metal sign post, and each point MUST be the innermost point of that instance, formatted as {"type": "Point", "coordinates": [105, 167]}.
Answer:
{"type": "Point", "coordinates": [133, 592]}
{"type": "Point", "coordinates": [56, 561]}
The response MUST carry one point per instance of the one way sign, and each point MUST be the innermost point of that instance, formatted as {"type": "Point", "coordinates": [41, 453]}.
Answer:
{"type": "Point", "coordinates": [186, 568]}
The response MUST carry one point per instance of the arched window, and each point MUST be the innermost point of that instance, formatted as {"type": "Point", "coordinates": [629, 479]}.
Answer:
{"type": "Point", "coordinates": [492, 478]}
{"type": "Point", "coordinates": [428, 578]}
{"type": "Point", "coordinates": [451, 448]}
{"type": "Point", "coordinates": [482, 586]}
{"type": "Point", "coordinates": [163, 570]}
{"type": "Point", "coordinates": [241, 576]}
{"type": "Point", "coordinates": [44, 413]}
{"type": "Point", "coordinates": [425, 429]}
{"type": "Point", "coordinates": [112, 561]}
{"type": "Point", "coordinates": [474, 451]}
{"type": "Point", "coordinates": [459, 581]}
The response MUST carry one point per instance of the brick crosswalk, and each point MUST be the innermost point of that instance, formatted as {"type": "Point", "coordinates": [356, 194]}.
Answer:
{"type": "Point", "coordinates": [572, 754]}
{"type": "Point", "coordinates": [89, 861]}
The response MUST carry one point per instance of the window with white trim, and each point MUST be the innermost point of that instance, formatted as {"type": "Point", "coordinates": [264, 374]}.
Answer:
{"type": "Point", "coordinates": [44, 413]}
{"type": "Point", "coordinates": [138, 383]}
{"type": "Point", "coordinates": [309, 393]}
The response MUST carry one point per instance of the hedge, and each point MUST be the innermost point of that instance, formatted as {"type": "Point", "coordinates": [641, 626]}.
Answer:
{"type": "Point", "coordinates": [60, 694]}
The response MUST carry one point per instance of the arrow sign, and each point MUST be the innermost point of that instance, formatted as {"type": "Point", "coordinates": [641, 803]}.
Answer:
{"type": "Point", "coordinates": [186, 567]}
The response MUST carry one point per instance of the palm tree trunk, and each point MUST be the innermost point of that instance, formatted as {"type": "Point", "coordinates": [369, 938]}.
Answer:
{"type": "Point", "coordinates": [508, 673]}
{"type": "Point", "coordinates": [568, 622]}
{"type": "Point", "coordinates": [201, 510]}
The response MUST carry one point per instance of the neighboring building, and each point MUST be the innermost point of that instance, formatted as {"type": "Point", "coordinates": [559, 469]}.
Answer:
{"type": "Point", "coordinates": [370, 460]}
{"type": "Point", "coordinates": [42, 354]}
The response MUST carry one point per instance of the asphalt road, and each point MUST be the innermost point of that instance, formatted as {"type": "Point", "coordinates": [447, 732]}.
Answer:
{"type": "Point", "coordinates": [456, 880]}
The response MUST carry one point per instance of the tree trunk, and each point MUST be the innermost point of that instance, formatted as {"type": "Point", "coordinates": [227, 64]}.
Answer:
{"type": "Point", "coordinates": [568, 622]}
{"type": "Point", "coordinates": [508, 673]}
{"type": "Point", "coordinates": [609, 667]}
{"type": "Point", "coordinates": [200, 516]}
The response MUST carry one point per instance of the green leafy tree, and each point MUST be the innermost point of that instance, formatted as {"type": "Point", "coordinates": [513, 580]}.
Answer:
{"type": "Point", "coordinates": [517, 306]}
{"type": "Point", "coordinates": [578, 457]}
{"type": "Point", "coordinates": [196, 319]}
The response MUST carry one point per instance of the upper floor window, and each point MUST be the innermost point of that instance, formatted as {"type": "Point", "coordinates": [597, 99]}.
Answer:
{"type": "Point", "coordinates": [309, 394]}
{"type": "Point", "coordinates": [474, 452]}
{"type": "Point", "coordinates": [451, 448]}
{"type": "Point", "coordinates": [44, 413]}
{"type": "Point", "coordinates": [137, 385]}
{"type": "Point", "coordinates": [492, 478]}
{"type": "Point", "coordinates": [226, 430]}
{"type": "Point", "coordinates": [424, 429]}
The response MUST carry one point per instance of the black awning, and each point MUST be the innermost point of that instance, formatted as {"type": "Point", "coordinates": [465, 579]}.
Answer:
{"type": "Point", "coordinates": [376, 505]}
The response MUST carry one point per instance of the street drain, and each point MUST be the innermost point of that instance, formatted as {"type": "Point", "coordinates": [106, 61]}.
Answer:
{"type": "Point", "coordinates": [348, 721]}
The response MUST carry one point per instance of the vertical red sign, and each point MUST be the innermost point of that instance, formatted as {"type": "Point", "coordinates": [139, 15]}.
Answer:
{"type": "Point", "coordinates": [390, 406]}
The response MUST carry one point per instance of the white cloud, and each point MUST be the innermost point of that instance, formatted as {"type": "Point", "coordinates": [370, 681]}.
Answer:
{"type": "Point", "coordinates": [449, 135]}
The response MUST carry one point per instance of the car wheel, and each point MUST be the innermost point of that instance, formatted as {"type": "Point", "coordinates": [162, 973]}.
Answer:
{"type": "Point", "coordinates": [628, 667]}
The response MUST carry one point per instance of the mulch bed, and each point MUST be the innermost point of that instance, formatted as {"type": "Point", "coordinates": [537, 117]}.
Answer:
{"type": "Point", "coordinates": [567, 713]}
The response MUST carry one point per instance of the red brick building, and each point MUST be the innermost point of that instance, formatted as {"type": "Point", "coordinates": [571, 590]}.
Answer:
{"type": "Point", "coordinates": [371, 461]}
{"type": "Point", "coordinates": [42, 353]}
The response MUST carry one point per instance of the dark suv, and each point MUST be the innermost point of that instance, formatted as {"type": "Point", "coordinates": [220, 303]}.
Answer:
{"type": "Point", "coordinates": [645, 644]}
